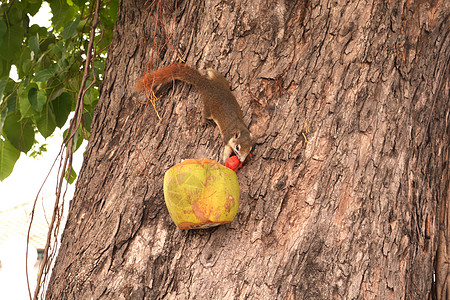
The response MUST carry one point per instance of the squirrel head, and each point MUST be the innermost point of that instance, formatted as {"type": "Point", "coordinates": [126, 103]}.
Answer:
{"type": "Point", "coordinates": [241, 143]}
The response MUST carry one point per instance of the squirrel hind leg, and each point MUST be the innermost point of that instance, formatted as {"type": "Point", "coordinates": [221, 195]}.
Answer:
{"type": "Point", "coordinates": [206, 122]}
{"type": "Point", "coordinates": [206, 114]}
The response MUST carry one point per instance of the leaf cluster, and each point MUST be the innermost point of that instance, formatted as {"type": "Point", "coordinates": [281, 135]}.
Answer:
{"type": "Point", "coordinates": [49, 63]}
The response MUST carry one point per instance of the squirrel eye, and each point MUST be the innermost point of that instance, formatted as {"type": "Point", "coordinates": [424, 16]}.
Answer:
{"type": "Point", "coordinates": [237, 147]}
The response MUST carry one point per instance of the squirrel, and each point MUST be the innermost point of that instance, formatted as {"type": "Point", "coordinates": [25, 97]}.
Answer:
{"type": "Point", "coordinates": [219, 104]}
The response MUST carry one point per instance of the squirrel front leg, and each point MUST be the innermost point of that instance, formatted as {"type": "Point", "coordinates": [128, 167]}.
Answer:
{"type": "Point", "coordinates": [227, 151]}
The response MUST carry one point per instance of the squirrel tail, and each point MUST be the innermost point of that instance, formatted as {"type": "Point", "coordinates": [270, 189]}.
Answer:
{"type": "Point", "coordinates": [171, 72]}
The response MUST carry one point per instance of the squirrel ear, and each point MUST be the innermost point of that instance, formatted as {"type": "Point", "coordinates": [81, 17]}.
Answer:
{"type": "Point", "coordinates": [237, 134]}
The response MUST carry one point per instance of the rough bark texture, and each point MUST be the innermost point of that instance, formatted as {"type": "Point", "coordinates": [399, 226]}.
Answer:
{"type": "Point", "coordinates": [351, 214]}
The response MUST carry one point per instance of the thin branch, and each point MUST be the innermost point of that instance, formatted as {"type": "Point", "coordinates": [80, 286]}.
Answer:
{"type": "Point", "coordinates": [32, 217]}
{"type": "Point", "coordinates": [68, 144]}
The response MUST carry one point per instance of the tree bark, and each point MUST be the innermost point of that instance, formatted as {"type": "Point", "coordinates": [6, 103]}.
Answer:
{"type": "Point", "coordinates": [350, 108]}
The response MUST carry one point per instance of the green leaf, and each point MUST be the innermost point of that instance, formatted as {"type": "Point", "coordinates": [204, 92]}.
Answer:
{"type": "Point", "coordinates": [55, 91]}
{"type": "Point", "coordinates": [58, 49]}
{"type": "Point", "coordinates": [62, 106]}
{"type": "Point", "coordinates": [12, 42]}
{"type": "Point", "coordinates": [24, 64]}
{"type": "Point", "coordinates": [77, 140]}
{"type": "Point", "coordinates": [87, 121]}
{"type": "Point", "coordinates": [33, 6]}
{"type": "Point", "coordinates": [36, 29]}
{"type": "Point", "coordinates": [70, 30]}
{"type": "Point", "coordinates": [91, 96]}
{"type": "Point", "coordinates": [47, 43]}
{"type": "Point", "coordinates": [2, 88]}
{"type": "Point", "coordinates": [70, 178]}
{"type": "Point", "coordinates": [37, 98]}
{"type": "Point", "coordinates": [3, 28]}
{"type": "Point", "coordinates": [25, 22]}
{"type": "Point", "coordinates": [8, 158]}
{"type": "Point", "coordinates": [80, 2]}
{"type": "Point", "coordinates": [27, 67]}
{"type": "Point", "coordinates": [62, 13]}
{"type": "Point", "coordinates": [3, 115]}
{"type": "Point", "coordinates": [26, 110]}
{"type": "Point", "coordinates": [46, 123]}
{"type": "Point", "coordinates": [44, 75]}
{"type": "Point", "coordinates": [15, 13]}
{"type": "Point", "coordinates": [19, 131]}
{"type": "Point", "coordinates": [33, 42]}
{"type": "Point", "coordinates": [12, 103]}
{"type": "Point", "coordinates": [108, 14]}
{"type": "Point", "coordinates": [37, 151]}
{"type": "Point", "coordinates": [5, 67]}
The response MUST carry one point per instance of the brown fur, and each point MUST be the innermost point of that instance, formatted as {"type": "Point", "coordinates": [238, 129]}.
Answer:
{"type": "Point", "coordinates": [219, 104]}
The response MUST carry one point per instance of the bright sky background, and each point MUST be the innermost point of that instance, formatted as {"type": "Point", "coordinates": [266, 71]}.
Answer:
{"type": "Point", "coordinates": [21, 187]}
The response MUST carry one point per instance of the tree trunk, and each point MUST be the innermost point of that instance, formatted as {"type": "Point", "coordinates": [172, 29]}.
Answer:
{"type": "Point", "coordinates": [349, 106]}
